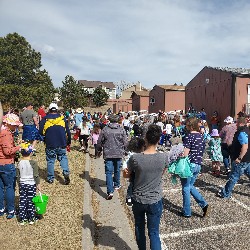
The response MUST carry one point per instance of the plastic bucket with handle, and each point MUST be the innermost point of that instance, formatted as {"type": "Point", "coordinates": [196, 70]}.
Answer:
{"type": "Point", "coordinates": [40, 201]}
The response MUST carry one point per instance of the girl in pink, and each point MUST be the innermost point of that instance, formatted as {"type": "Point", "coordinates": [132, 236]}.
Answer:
{"type": "Point", "coordinates": [95, 135]}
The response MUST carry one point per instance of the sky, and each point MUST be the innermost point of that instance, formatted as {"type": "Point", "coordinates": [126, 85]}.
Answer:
{"type": "Point", "coordinates": [155, 42]}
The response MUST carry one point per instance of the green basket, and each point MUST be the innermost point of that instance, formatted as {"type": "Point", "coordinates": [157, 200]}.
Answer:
{"type": "Point", "coordinates": [40, 201]}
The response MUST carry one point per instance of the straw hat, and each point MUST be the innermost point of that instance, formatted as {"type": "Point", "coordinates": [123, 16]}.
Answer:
{"type": "Point", "coordinates": [79, 110]}
{"type": "Point", "coordinates": [12, 119]}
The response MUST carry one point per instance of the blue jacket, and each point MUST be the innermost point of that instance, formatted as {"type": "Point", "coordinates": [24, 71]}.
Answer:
{"type": "Point", "coordinates": [56, 131]}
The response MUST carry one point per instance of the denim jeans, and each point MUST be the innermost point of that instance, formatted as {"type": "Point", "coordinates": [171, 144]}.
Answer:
{"type": "Point", "coordinates": [188, 188]}
{"type": "Point", "coordinates": [237, 171]}
{"type": "Point", "coordinates": [226, 155]}
{"type": "Point", "coordinates": [112, 166]}
{"type": "Point", "coordinates": [153, 213]}
{"type": "Point", "coordinates": [7, 183]}
{"type": "Point", "coordinates": [51, 156]}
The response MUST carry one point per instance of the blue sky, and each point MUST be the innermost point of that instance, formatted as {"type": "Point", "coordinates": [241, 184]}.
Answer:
{"type": "Point", "coordinates": [151, 41]}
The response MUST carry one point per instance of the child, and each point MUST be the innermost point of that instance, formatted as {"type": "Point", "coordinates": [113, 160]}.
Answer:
{"type": "Point", "coordinates": [215, 152]}
{"type": "Point", "coordinates": [95, 135]}
{"type": "Point", "coordinates": [168, 133]}
{"type": "Point", "coordinates": [29, 182]}
{"type": "Point", "coordinates": [136, 145]}
{"type": "Point", "coordinates": [84, 127]}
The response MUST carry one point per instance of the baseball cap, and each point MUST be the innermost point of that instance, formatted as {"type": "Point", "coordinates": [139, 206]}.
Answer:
{"type": "Point", "coordinates": [53, 106]}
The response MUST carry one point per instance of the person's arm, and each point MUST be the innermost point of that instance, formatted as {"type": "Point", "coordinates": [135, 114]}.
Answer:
{"type": "Point", "coordinates": [243, 151]}
{"type": "Point", "coordinates": [36, 174]}
{"type": "Point", "coordinates": [35, 119]}
{"type": "Point", "coordinates": [100, 140]}
{"type": "Point", "coordinates": [186, 151]}
{"type": "Point", "coordinates": [127, 172]}
{"type": "Point", "coordinates": [7, 145]}
{"type": "Point", "coordinates": [41, 126]}
{"type": "Point", "coordinates": [67, 132]}
{"type": "Point", "coordinates": [243, 140]}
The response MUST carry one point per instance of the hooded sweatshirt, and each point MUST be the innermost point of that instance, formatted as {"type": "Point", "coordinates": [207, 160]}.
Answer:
{"type": "Point", "coordinates": [113, 140]}
{"type": "Point", "coordinates": [56, 131]}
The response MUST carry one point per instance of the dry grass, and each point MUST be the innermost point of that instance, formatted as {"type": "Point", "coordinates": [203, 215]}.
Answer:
{"type": "Point", "coordinates": [61, 227]}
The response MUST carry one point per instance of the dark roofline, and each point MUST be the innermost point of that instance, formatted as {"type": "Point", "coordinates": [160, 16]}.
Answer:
{"type": "Point", "coordinates": [242, 72]}
{"type": "Point", "coordinates": [140, 93]}
{"type": "Point", "coordinates": [95, 84]}
{"type": "Point", "coordinates": [172, 87]}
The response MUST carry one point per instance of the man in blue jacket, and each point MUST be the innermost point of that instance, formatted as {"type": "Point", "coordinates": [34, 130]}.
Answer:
{"type": "Point", "coordinates": [57, 137]}
{"type": "Point", "coordinates": [240, 156]}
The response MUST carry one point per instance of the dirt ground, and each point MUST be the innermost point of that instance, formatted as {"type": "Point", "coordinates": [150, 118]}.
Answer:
{"type": "Point", "coordinates": [61, 227]}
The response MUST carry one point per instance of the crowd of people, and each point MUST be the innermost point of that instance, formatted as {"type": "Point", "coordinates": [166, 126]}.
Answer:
{"type": "Point", "coordinates": [129, 144]}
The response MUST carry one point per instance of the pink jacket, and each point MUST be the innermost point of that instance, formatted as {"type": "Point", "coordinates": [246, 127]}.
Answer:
{"type": "Point", "coordinates": [7, 147]}
{"type": "Point", "coordinates": [95, 138]}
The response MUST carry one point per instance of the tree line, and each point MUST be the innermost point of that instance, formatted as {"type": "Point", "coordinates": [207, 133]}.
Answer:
{"type": "Point", "coordinates": [22, 80]}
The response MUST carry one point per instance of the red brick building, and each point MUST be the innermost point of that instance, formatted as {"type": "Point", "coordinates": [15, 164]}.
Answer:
{"type": "Point", "coordinates": [140, 100]}
{"type": "Point", "coordinates": [166, 98]}
{"type": "Point", "coordinates": [226, 90]}
{"type": "Point", "coordinates": [125, 105]}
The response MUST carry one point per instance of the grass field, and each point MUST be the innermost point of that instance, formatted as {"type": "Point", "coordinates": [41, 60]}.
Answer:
{"type": "Point", "coordinates": [61, 227]}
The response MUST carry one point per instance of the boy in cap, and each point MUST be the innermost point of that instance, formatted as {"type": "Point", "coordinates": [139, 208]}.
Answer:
{"type": "Point", "coordinates": [29, 182]}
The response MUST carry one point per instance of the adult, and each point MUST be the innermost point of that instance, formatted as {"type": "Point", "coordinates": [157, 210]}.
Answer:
{"type": "Point", "coordinates": [145, 125]}
{"type": "Point", "coordinates": [215, 120]}
{"type": "Point", "coordinates": [78, 117]}
{"type": "Point", "coordinates": [41, 112]}
{"type": "Point", "coordinates": [113, 141]}
{"type": "Point", "coordinates": [57, 137]}
{"type": "Point", "coordinates": [177, 125]}
{"type": "Point", "coordinates": [240, 155]}
{"type": "Point", "coordinates": [125, 124]}
{"type": "Point", "coordinates": [30, 125]}
{"type": "Point", "coordinates": [7, 168]}
{"type": "Point", "coordinates": [84, 128]}
{"type": "Point", "coordinates": [194, 146]}
{"type": "Point", "coordinates": [203, 114]}
{"type": "Point", "coordinates": [147, 169]}
{"type": "Point", "coordinates": [160, 123]}
{"type": "Point", "coordinates": [109, 111]}
{"type": "Point", "coordinates": [227, 135]}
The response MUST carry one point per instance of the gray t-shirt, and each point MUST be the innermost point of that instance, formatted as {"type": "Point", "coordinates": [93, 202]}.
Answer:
{"type": "Point", "coordinates": [147, 170]}
{"type": "Point", "coordinates": [27, 116]}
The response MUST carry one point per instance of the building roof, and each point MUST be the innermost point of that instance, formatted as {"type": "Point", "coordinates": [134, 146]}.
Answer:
{"type": "Point", "coordinates": [95, 84]}
{"type": "Point", "coordinates": [141, 93]}
{"type": "Point", "coordinates": [235, 71]}
{"type": "Point", "coordinates": [172, 87]}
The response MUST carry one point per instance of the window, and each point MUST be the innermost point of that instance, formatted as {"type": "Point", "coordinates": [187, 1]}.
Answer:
{"type": "Point", "coordinates": [152, 100]}
{"type": "Point", "coordinates": [248, 93]}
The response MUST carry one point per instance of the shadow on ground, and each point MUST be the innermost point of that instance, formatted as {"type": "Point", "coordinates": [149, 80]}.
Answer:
{"type": "Point", "coordinates": [95, 183]}
{"type": "Point", "coordinates": [112, 240]}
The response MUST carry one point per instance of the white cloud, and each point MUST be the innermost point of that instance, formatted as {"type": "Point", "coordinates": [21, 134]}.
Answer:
{"type": "Point", "coordinates": [160, 41]}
